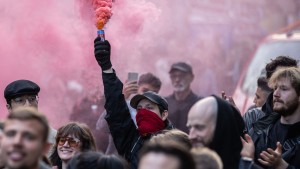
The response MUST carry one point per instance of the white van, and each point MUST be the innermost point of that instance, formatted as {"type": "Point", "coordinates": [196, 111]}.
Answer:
{"type": "Point", "coordinates": [285, 44]}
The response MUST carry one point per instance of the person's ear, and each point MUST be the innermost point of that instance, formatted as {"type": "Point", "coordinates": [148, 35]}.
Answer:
{"type": "Point", "coordinates": [192, 77]}
{"type": "Point", "coordinates": [164, 115]}
{"type": "Point", "coordinates": [8, 107]}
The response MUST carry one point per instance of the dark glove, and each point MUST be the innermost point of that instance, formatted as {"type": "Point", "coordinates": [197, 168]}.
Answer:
{"type": "Point", "coordinates": [102, 53]}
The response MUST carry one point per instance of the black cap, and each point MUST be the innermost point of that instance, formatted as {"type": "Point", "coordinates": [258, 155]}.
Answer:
{"type": "Point", "coordinates": [20, 87]}
{"type": "Point", "coordinates": [182, 66]}
{"type": "Point", "coordinates": [152, 96]}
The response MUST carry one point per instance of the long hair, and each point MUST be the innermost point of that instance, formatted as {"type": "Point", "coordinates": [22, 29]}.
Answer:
{"type": "Point", "coordinates": [79, 130]}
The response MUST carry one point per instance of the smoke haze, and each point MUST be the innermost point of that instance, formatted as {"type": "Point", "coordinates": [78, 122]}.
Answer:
{"type": "Point", "coordinates": [51, 43]}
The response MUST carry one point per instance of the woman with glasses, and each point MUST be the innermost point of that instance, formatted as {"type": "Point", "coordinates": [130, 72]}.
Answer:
{"type": "Point", "coordinates": [71, 139]}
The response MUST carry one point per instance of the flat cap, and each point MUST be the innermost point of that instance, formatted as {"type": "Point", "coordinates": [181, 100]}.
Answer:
{"type": "Point", "coordinates": [152, 96]}
{"type": "Point", "coordinates": [20, 87]}
{"type": "Point", "coordinates": [182, 66]}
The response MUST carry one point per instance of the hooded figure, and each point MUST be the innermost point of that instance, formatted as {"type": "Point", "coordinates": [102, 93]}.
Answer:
{"type": "Point", "coordinates": [216, 124]}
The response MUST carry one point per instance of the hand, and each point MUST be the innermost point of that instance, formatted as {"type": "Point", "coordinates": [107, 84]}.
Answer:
{"type": "Point", "coordinates": [248, 147]}
{"type": "Point", "coordinates": [273, 158]}
{"type": "Point", "coordinates": [102, 53]}
{"type": "Point", "coordinates": [130, 87]}
{"type": "Point", "coordinates": [230, 100]}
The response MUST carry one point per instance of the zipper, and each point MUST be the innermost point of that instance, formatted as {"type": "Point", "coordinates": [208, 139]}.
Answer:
{"type": "Point", "coordinates": [135, 144]}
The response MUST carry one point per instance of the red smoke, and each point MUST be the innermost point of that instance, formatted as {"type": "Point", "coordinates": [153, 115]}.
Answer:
{"type": "Point", "coordinates": [51, 43]}
{"type": "Point", "coordinates": [102, 11]}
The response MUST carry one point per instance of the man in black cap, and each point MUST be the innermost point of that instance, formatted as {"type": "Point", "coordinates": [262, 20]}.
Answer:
{"type": "Point", "coordinates": [182, 98]}
{"type": "Point", "coordinates": [21, 93]}
{"type": "Point", "coordinates": [152, 110]}
{"type": "Point", "coordinates": [24, 93]}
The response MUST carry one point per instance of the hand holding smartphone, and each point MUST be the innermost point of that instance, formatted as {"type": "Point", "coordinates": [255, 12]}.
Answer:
{"type": "Point", "coordinates": [132, 76]}
{"type": "Point", "coordinates": [130, 87]}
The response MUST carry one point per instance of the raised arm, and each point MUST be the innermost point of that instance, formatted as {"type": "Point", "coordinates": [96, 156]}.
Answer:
{"type": "Point", "coordinates": [118, 117]}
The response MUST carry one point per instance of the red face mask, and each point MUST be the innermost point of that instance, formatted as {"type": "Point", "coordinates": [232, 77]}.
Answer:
{"type": "Point", "coordinates": [148, 122]}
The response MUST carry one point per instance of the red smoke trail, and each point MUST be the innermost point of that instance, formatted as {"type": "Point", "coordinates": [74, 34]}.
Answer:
{"type": "Point", "coordinates": [102, 12]}
{"type": "Point", "coordinates": [51, 43]}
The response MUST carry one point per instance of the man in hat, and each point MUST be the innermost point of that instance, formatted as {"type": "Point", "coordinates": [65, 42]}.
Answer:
{"type": "Point", "coordinates": [146, 82]}
{"type": "Point", "coordinates": [21, 93]}
{"type": "Point", "coordinates": [152, 110]}
{"type": "Point", "coordinates": [182, 98]}
{"type": "Point", "coordinates": [24, 93]}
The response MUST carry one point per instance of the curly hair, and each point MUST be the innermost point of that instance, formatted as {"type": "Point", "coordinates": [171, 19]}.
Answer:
{"type": "Point", "coordinates": [292, 73]}
{"type": "Point", "coordinates": [280, 61]}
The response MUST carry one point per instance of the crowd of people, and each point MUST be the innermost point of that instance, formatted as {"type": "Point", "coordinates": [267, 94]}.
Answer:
{"type": "Point", "coordinates": [140, 129]}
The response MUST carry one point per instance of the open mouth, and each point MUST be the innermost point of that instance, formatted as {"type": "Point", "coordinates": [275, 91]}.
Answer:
{"type": "Point", "coordinates": [16, 155]}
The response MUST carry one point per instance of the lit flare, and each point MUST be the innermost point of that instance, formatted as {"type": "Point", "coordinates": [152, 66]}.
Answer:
{"type": "Point", "coordinates": [102, 12]}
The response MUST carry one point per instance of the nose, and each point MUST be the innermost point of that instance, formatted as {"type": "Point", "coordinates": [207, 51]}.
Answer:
{"type": "Point", "coordinates": [17, 139]}
{"type": "Point", "coordinates": [276, 93]}
{"type": "Point", "coordinates": [255, 100]}
{"type": "Point", "coordinates": [66, 144]}
{"type": "Point", "coordinates": [27, 103]}
{"type": "Point", "coordinates": [192, 133]}
{"type": "Point", "coordinates": [177, 78]}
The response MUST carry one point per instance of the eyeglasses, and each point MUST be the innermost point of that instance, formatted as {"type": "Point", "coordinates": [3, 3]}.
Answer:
{"type": "Point", "coordinates": [73, 142]}
{"type": "Point", "coordinates": [22, 100]}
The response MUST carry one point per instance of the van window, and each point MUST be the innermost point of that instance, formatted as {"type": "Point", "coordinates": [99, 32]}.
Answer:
{"type": "Point", "coordinates": [264, 54]}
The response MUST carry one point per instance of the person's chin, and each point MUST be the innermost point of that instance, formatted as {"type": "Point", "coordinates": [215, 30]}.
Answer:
{"type": "Point", "coordinates": [66, 157]}
{"type": "Point", "coordinates": [13, 164]}
{"type": "Point", "coordinates": [277, 107]}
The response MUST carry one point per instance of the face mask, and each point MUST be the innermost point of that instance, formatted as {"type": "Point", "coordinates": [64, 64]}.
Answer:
{"type": "Point", "coordinates": [148, 122]}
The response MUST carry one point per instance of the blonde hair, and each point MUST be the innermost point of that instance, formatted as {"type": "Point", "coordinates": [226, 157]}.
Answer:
{"type": "Point", "coordinates": [173, 135]}
{"type": "Point", "coordinates": [292, 73]}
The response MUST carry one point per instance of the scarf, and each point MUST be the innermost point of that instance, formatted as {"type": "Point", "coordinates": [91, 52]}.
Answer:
{"type": "Point", "coordinates": [148, 122]}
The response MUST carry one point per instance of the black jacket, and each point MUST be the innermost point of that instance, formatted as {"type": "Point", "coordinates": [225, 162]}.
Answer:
{"type": "Point", "coordinates": [123, 130]}
{"type": "Point", "coordinates": [262, 123]}
{"type": "Point", "coordinates": [291, 145]}
{"type": "Point", "coordinates": [259, 119]}
{"type": "Point", "coordinates": [251, 116]}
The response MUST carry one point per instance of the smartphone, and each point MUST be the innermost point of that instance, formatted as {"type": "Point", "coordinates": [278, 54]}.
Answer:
{"type": "Point", "coordinates": [132, 76]}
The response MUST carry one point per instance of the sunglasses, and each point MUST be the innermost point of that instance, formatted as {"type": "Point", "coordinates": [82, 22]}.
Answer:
{"type": "Point", "coordinates": [73, 142]}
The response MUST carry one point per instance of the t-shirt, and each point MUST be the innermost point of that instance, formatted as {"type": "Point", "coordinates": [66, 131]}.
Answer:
{"type": "Point", "coordinates": [179, 109]}
{"type": "Point", "coordinates": [278, 133]}
{"type": "Point", "coordinates": [289, 136]}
